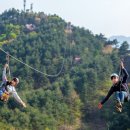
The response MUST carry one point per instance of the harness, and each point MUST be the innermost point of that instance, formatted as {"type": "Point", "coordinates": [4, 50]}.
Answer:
{"type": "Point", "coordinates": [4, 94]}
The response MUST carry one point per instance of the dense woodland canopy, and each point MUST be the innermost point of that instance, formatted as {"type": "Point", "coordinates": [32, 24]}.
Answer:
{"type": "Point", "coordinates": [68, 101]}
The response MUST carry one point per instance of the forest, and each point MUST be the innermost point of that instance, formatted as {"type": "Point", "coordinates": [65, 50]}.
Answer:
{"type": "Point", "coordinates": [80, 63]}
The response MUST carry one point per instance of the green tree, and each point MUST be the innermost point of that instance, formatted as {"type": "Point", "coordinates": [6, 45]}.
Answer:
{"type": "Point", "coordinates": [123, 49]}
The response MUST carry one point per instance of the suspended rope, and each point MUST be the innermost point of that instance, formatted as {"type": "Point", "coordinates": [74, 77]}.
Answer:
{"type": "Point", "coordinates": [8, 62]}
{"type": "Point", "coordinates": [38, 71]}
{"type": "Point", "coordinates": [120, 72]}
{"type": "Point", "coordinates": [69, 32]}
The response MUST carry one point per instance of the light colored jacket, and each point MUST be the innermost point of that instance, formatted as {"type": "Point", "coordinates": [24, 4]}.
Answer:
{"type": "Point", "coordinates": [11, 89]}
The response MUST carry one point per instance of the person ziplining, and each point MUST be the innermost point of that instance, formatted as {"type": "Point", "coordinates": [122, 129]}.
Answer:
{"type": "Point", "coordinates": [7, 88]}
{"type": "Point", "coordinates": [119, 87]}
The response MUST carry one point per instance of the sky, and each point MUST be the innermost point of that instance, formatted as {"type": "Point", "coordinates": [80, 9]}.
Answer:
{"type": "Point", "coordinates": [109, 17]}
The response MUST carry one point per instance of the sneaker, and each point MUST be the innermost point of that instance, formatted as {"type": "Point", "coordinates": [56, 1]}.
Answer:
{"type": "Point", "coordinates": [119, 106]}
{"type": "Point", "coordinates": [118, 109]}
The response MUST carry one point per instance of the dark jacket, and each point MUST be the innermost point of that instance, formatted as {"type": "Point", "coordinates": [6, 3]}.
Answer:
{"type": "Point", "coordinates": [120, 86]}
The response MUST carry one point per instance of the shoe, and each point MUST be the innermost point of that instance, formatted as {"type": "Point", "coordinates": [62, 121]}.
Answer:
{"type": "Point", "coordinates": [118, 106]}
{"type": "Point", "coordinates": [118, 109]}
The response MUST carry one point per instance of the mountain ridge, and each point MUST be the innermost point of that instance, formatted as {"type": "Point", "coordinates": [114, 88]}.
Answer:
{"type": "Point", "coordinates": [120, 38]}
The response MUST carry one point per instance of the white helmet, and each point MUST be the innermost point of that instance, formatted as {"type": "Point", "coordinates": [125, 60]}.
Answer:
{"type": "Point", "coordinates": [114, 75]}
{"type": "Point", "coordinates": [16, 80]}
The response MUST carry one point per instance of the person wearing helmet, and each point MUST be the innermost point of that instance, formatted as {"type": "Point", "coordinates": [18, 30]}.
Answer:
{"type": "Point", "coordinates": [119, 87]}
{"type": "Point", "coordinates": [8, 88]}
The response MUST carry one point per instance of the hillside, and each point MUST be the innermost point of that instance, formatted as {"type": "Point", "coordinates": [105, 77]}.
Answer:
{"type": "Point", "coordinates": [69, 100]}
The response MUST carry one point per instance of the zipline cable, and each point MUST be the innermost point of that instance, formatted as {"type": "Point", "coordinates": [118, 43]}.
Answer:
{"type": "Point", "coordinates": [45, 74]}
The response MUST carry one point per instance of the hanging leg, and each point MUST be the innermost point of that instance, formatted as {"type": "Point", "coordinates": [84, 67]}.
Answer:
{"type": "Point", "coordinates": [118, 102]}
{"type": "Point", "coordinates": [123, 95]}
{"type": "Point", "coordinates": [117, 95]}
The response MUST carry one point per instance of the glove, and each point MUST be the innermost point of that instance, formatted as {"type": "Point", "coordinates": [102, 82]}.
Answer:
{"type": "Point", "coordinates": [100, 106]}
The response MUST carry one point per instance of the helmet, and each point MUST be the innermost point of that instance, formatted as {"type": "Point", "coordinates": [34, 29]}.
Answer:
{"type": "Point", "coordinates": [114, 75]}
{"type": "Point", "coordinates": [16, 80]}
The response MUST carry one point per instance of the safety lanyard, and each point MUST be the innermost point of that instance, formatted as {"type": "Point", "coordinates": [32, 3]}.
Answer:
{"type": "Point", "coordinates": [8, 62]}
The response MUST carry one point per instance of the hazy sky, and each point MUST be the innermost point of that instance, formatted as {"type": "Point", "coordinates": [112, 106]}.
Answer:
{"type": "Point", "coordinates": [110, 17]}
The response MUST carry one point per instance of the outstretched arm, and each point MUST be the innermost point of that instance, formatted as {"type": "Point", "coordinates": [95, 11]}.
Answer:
{"type": "Point", "coordinates": [4, 77]}
{"type": "Point", "coordinates": [106, 98]}
{"type": "Point", "coordinates": [18, 99]}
